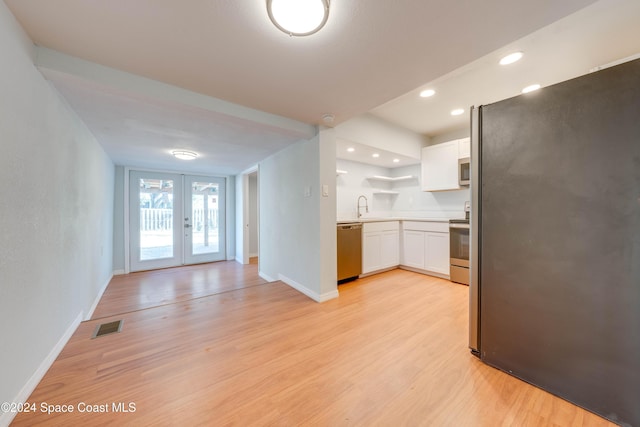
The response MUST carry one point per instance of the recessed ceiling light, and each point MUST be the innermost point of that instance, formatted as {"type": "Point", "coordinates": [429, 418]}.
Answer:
{"type": "Point", "coordinates": [396, 160]}
{"type": "Point", "coordinates": [427, 93]}
{"type": "Point", "coordinates": [184, 155]}
{"type": "Point", "coordinates": [531, 88]}
{"type": "Point", "coordinates": [351, 149]}
{"type": "Point", "coordinates": [457, 112]}
{"type": "Point", "coordinates": [376, 155]}
{"type": "Point", "coordinates": [511, 58]}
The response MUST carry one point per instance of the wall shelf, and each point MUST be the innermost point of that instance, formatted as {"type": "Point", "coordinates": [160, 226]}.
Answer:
{"type": "Point", "coordinates": [391, 178]}
{"type": "Point", "coordinates": [385, 192]}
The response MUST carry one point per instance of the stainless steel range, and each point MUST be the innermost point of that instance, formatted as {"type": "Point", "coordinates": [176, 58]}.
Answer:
{"type": "Point", "coordinates": [459, 250]}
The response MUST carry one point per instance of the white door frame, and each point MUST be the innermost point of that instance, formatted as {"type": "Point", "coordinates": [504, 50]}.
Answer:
{"type": "Point", "coordinates": [243, 232]}
{"type": "Point", "coordinates": [126, 207]}
{"type": "Point", "coordinates": [177, 257]}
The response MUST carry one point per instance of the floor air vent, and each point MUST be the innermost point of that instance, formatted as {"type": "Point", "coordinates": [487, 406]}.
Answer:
{"type": "Point", "coordinates": [107, 328]}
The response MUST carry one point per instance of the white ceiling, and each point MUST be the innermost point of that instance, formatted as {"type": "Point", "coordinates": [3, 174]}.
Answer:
{"type": "Point", "coordinates": [597, 35]}
{"type": "Point", "coordinates": [370, 52]}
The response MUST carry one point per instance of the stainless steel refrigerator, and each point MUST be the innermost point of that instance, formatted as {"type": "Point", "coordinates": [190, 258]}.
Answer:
{"type": "Point", "coordinates": [555, 240]}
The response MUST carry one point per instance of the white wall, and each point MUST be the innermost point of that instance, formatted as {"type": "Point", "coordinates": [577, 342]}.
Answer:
{"type": "Point", "coordinates": [118, 221]}
{"type": "Point", "coordinates": [450, 136]}
{"type": "Point", "coordinates": [297, 224]}
{"type": "Point", "coordinates": [413, 202]}
{"type": "Point", "coordinates": [56, 218]}
{"type": "Point", "coordinates": [353, 184]}
{"type": "Point", "coordinates": [410, 201]}
{"type": "Point", "coordinates": [370, 130]}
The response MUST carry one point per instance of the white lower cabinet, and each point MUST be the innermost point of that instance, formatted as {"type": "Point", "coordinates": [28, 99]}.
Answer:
{"type": "Point", "coordinates": [425, 246]}
{"type": "Point", "coordinates": [413, 249]}
{"type": "Point", "coordinates": [380, 245]}
{"type": "Point", "coordinates": [436, 252]}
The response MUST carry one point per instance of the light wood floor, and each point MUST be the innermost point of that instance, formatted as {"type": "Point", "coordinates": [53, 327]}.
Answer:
{"type": "Point", "coordinates": [146, 289]}
{"type": "Point", "coordinates": [391, 351]}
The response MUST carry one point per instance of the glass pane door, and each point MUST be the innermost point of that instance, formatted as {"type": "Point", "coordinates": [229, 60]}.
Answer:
{"type": "Point", "coordinates": [155, 207]}
{"type": "Point", "coordinates": [204, 220]}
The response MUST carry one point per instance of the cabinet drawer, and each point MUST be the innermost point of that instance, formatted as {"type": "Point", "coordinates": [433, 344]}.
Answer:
{"type": "Point", "coordinates": [380, 226]}
{"type": "Point", "coordinates": [438, 227]}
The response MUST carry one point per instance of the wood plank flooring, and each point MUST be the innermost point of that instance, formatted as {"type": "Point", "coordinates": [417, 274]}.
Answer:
{"type": "Point", "coordinates": [146, 289]}
{"type": "Point", "coordinates": [390, 351]}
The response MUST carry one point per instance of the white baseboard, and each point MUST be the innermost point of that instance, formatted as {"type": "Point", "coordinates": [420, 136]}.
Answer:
{"type": "Point", "coordinates": [265, 277]}
{"type": "Point", "coordinates": [253, 255]}
{"type": "Point", "coordinates": [23, 395]}
{"type": "Point", "coordinates": [97, 300]}
{"type": "Point", "coordinates": [308, 292]}
{"type": "Point", "coordinates": [118, 272]}
{"type": "Point", "coordinates": [425, 272]}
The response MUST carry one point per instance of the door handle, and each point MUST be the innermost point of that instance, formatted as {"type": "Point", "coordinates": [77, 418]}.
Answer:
{"type": "Point", "coordinates": [187, 226]}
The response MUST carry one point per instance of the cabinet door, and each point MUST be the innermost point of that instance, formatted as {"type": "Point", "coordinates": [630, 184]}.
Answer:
{"type": "Point", "coordinates": [413, 249]}
{"type": "Point", "coordinates": [437, 252]}
{"type": "Point", "coordinates": [440, 167]}
{"type": "Point", "coordinates": [390, 249]}
{"type": "Point", "coordinates": [464, 148]}
{"type": "Point", "coordinates": [371, 251]}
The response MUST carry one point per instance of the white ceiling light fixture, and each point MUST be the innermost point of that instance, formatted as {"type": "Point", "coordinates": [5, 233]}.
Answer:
{"type": "Point", "coordinates": [351, 149]}
{"type": "Point", "coordinates": [396, 160]}
{"type": "Point", "coordinates": [531, 88]}
{"type": "Point", "coordinates": [427, 93]}
{"type": "Point", "coordinates": [298, 17]}
{"type": "Point", "coordinates": [375, 155]}
{"type": "Point", "coordinates": [511, 58]}
{"type": "Point", "coordinates": [184, 155]}
{"type": "Point", "coordinates": [457, 112]}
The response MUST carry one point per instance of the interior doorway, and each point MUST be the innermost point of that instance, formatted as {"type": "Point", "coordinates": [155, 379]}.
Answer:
{"type": "Point", "coordinates": [248, 217]}
{"type": "Point", "coordinates": [253, 229]}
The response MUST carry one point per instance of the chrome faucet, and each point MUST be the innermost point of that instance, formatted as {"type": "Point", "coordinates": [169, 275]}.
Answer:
{"type": "Point", "coordinates": [366, 205]}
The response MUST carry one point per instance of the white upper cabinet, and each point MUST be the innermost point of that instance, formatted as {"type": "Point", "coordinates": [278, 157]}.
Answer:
{"type": "Point", "coordinates": [464, 148]}
{"type": "Point", "coordinates": [440, 165]}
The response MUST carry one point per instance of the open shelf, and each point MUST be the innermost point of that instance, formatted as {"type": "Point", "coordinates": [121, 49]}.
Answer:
{"type": "Point", "coordinates": [391, 178]}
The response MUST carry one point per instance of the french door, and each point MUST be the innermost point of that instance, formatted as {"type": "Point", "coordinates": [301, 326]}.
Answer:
{"type": "Point", "coordinates": [175, 220]}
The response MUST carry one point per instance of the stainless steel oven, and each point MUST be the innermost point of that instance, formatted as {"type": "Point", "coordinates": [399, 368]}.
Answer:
{"type": "Point", "coordinates": [459, 250]}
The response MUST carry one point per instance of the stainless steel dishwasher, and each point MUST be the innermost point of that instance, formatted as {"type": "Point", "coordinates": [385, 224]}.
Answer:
{"type": "Point", "coordinates": [349, 251]}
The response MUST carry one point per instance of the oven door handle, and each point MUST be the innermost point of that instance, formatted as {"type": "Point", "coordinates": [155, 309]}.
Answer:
{"type": "Point", "coordinates": [459, 226]}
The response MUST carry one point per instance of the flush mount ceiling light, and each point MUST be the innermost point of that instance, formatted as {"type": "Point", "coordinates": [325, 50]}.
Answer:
{"type": "Point", "coordinates": [457, 112]}
{"type": "Point", "coordinates": [427, 93]}
{"type": "Point", "coordinates": [351, 149]}
{"type": "Point", "coordinates": [531, 88]}
{"type": "Point", "coordinates": [375, 155]}
{"type": "Point", "coordinates": [184, 155]}
{"type": "Point", "coordinates": [298, 17]}
{"type": "Point", "coordinates": [511, 58]}
{"type": "Point", "coordinates": [396, 160]}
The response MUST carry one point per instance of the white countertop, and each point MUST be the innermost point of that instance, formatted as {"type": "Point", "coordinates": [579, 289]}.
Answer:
{"type": "Point", "coordinates": [346, 221]}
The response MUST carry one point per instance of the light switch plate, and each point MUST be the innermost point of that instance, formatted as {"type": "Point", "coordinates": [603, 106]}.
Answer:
{"type": "Point", "coordinates": [325, 190]}
{"type": "Point", "coordinates": [307, 191]}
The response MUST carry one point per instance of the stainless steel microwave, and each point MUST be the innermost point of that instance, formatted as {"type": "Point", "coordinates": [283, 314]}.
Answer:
{"type": "Point", "coordinates": [464, 171]}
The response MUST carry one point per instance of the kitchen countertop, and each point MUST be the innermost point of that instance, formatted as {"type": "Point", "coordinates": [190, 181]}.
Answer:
{"type": "Point", "coordinates": [348, 221]}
